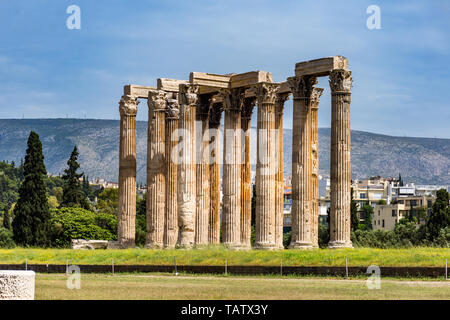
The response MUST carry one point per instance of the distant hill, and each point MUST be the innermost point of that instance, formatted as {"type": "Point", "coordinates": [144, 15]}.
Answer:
{"type": "Point", "coordinates": [422, 160]}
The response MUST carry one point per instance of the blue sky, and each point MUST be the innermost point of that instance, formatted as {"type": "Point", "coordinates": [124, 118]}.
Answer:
{"type": "Point", "coordinates": [401, 73]}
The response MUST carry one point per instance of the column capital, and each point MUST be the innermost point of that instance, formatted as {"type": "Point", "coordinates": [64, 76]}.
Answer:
{"type": "Point", "coordinates": [315, 97]}
{"type": "Point", "coordinates": [128, 105]}
{"type": "Point", "coordinates": [266, 92]}
{"type": "Point", "coordinates": [302, 87]}
{"type": "Point", "coordinates": [172, 109]}
{"type": "Point", "coordinates": [341, 81]}
{"type": "Point", "coordinates": [233, 99]}
{"type": "Point", "coordinates": [157, 100]}
{"type": "Point", "coordinates": [215, 114]}
{"type": "Point", "coordinates": [247, 109]}
{"type": "Point", "coordinates": [188, 94]}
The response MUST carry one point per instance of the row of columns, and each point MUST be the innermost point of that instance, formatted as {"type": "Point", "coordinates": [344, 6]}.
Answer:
{"type": "Point", "coordinates": [183, 202]}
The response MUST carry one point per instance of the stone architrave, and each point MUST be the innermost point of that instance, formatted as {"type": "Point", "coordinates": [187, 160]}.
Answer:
{"type": "Point", "coordinates": [246, 184]}
{"type": "Point", "coordinates": [214, 172]}
{"type": "Point", "coordinates": [265, 167]}
{"type": "Point", "coordinates": [126, 222]}
{"type": "Point", "coordinates": [317, 93]}
{"type": "Point", "coordinates": [171, 213]}
{"type": "Point", "coordinates": [279, 178]}
{"type": "Point", "coordinates": [340, 84]}
{"type": "Point", "coordinates": [203, 189]}
{"type": "Point", "coordinates": [187, 166]}
{"type": "Point", "coordinates": [232, 165]}
{"type": "Point", "coordinates": [156, 169]}
{"type": "Point", "coordinates": [302, 89]}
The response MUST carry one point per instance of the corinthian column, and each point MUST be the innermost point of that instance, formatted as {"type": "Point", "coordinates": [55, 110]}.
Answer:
{"type": "Point", "coordinates": [214, 173]}
{"type": "Point", "coordinates": [246, 184]}
{"type": "Point", "coordinates": [317, 93]}
{"type": "Point", "coordinates": [156, 164]}
{"type": "Point", "coordinates": [279, 178]}
{"type": "Point", "coordinates": [231, 213]}
{"type": "Point", "coordinates": [127, 172]}
{"type": "Point", "coordinates": [265, 167]}
{"type": "Point", "coordinates": [203, 203]}
{"type": "Point", "coordinates": [186, 166]}
{"type": "Point", "coordinates": [302, 89]}
{"type": "Point", "coordinates": [171, 213]}
{"type": "Point", "coordinates": [340, 84]}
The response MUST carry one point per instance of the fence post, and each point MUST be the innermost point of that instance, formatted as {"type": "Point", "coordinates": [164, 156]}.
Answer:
{"type": "Point", "coordinates": [26, 264]}
{"type": "Point", "coordinates": [175, 263]}
{"type": "Point", "coordinates": [346, 268]}
{"type": "Point", "coordinates": [446, 270]}
{"type": "Point", "coordinates": [281, 267]}
{"type": "Point", "coordinates": [226, 267]}
{"type": "Point", "coordinates": [112, 265]}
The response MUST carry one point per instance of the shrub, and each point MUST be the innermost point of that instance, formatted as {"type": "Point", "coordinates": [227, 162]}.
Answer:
{"type": "Point", "coordinates": [287, 239]}
{"type": "Point", "coordinates": [77, 223]}
{"type": "Point", "coordinates": [6, 238]}
{"type": "Point", "coordinates": [324, 236]}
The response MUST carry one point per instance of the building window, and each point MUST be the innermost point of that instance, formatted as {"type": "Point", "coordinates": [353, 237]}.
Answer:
{"type": "Point", "coordinates": [383, 223]}
{"type": "Point", "coordinates": [413, 203]}
{"type": "Point", "coordinates": [379, 212]}
{"type": "Point", "coordinates": [362, 196]}
{"type": "Point", "coordinates": [394, 213]}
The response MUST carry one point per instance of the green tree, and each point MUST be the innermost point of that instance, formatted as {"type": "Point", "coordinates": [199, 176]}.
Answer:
{"type": "Point", "coordinates": [141, 220]}
{"type": "Point", "coordinates": [367, 211]}
{"type": "Point", "coordinates": [73, 195]}
{"type": "Point", "coordinates": [440, 215]}
{"type": "Point", "coordinates": [354, 213]}
{"type": "Point", "coordinates": [108, 201]}
{"type": "Point", "coordinates": [31, 214]}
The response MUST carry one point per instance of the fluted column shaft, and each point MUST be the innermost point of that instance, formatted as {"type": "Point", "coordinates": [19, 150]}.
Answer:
{"type": "Point", "coordinates": [156, 175]}
{"type": "Point", "coordinates": [265, 168]}
{"type": "Point", "coordinates": [171, 213]}
{"type": "Point", "coordinates": [279, 179]}
{"type": "Point", "coordinates": [232, 165]}
{"type": "Point", "coordinates": [315, 166]}
{"type": "Point", "coordinates": [340, 84]}
{"type": "Point", "coordinates": [126, 223]}
{"type": "Point", "coordinates": [187, 166]}
{"type": "Point", "coordinates": [246, 184]}
{"type": "Point", "coordinates": [302, 89]}
{"type": "Point", "coordinates": [214, 174]}
{"type": "Point", "coordinates": [202, 190]}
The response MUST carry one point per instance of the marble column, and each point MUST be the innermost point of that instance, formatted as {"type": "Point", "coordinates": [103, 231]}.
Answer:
{"type": "Point", "coordinates": [232, 165]}
{"type": "Point", "coordinates": [214, 173]}
{"type": "Point", "coordinates": [302, 89]}
{"type": "Point", "coordinates": [340, 84]}
{"type": "Point", "coordinates": [246, 184]}
{"type": "Point", "coordinates": [171, 213]}
{"type": "Point", "coordinates": [156, 165]}
{"type": "Point", "coordinates": [279, 178]}
{"type": "Point", "coordinates": [187, 166]}
{"type": "Point", "coordinates": [317, 93]}
{"type": "Point", "coordinates": [265, 167]}
{"type": "Point", "coordinates": [202, 190]}
{"type": "Point", "coordinates": [126, 222]}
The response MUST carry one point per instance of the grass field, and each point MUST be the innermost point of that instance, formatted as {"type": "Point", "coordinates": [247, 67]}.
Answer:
{"type": "Point", "coordinates": [217, 255]}
{"type": "Point", "coordinates": [154, 287]}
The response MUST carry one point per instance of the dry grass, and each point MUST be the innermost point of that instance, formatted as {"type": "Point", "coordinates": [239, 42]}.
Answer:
{"type": "Point", "coordinates": [154, 287]}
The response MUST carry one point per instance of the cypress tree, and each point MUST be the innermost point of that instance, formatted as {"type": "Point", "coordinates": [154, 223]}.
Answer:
{"type": "Point", "coordinates": [31, 225]}
{"type": "Point", "coordinates": [354, 213]}
{"type": "Point", "coordinates": [6, 220]}
{"type": "Point", "coordinates": [440, 214]}
{"type": "Point", "coordinates": [73, 195]}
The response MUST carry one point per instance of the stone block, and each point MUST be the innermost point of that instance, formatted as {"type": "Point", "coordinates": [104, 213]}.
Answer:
{"type": "Point", "coordinates": [137, 91]}
{"type": "Point", "coordinates": [78, 244]}
{"type": "Point", "coordinates": [250, 78]}
{"type": "Point", "coordinates": [320, 67]}
{"type": "Point", "coordinates": [17, 285]}
{"type": "Point", "coordinates": [169, 85]}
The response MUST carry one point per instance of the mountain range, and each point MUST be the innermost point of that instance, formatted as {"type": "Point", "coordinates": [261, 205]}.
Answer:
{"type": "Point", "coordinates": [419, 160]}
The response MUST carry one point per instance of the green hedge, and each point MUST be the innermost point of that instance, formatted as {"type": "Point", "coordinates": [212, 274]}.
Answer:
{"type": "Point", "coordinates": [77, 223]}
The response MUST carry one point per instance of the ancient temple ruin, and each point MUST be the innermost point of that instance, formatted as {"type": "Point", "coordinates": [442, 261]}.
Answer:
{"type": "Point", "coordinates": [183, 167]}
